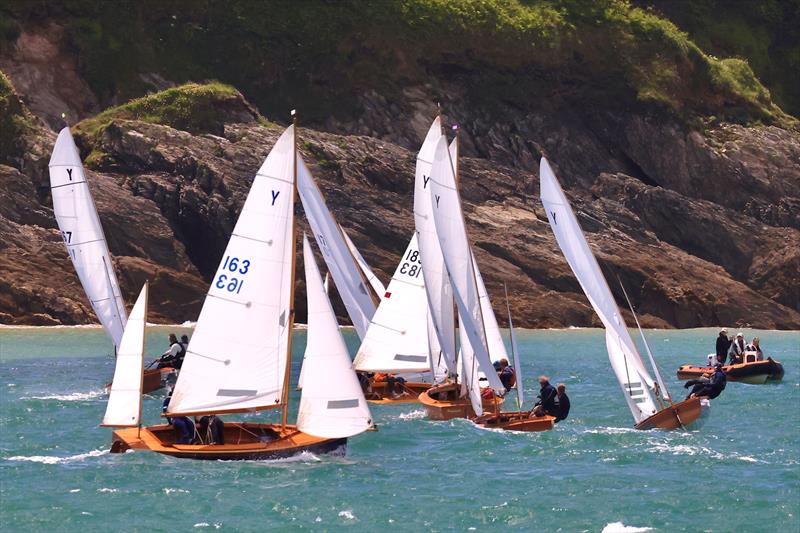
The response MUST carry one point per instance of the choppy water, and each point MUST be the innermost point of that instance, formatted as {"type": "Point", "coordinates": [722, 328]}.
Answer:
{"type": "Point", "coordinates": [741, 472]}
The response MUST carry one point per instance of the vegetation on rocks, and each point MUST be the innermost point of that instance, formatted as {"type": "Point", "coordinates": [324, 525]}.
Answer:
{"type": "Point", "coordinates": [15, 122]}
{"type": "Point", "coordinates": [325, 54]}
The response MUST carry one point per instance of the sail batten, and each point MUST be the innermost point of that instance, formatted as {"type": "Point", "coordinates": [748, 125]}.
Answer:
{"type": "Point", "coordinates": [242, 335]}
{"type": "Point", "coordinates": [625, 359]}
{"type": "Point", "coordinates": [83, 236]}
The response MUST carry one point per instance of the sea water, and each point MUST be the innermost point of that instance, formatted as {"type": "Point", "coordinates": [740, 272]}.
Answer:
{"type": "Point", "coordinates": [594, 472]}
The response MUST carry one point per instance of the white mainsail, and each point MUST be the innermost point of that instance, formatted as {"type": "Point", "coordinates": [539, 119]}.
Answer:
{"type": "Point", "coordinates": [332, 404]}
{"type": "Point", "coordinates": [236, 359]}
{"type": "Point", "coordinates": [437, 283]}
{"type": "Point", "coordinates": [397, 338]}
{"type": "Point", "coordinates": [83, 235]}
{"type": "Point", "coordinates": [631, 373]}
{"type": "Point", "coordinates": [341, 264]}
{"type": "Point", "coordinates": [452, 233]}
{"type": "Point", "coordinates": [373, 280]}
{"type": "Point", "coordinates": [124, 406]}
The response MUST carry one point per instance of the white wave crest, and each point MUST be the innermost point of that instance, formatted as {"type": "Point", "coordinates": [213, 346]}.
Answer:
{"type": "Point", "coordinates": [610, 431]}
{"type": "Point", "coordinates": [72, 397]}
{"type": "Point", "coordinates": [54, 460]}
{"type": "Point", "coordinates": [347, 514]}
{"type": "Point", "coordinates": [619, 527]}
{"type": "Point", "coordinates": [413, 415]}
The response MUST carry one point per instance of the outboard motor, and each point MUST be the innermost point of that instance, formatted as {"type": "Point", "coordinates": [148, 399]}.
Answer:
{"type": "Point", "coordinates": [712, 359]}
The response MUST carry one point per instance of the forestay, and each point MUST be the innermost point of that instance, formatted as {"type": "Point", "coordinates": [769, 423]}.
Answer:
{"type": "Point", "coordinates": [452, 234]}
{"type": "Point", "coordinates": [341, 264]}
{"type": "Point", "coordinates": [515, 354]}
{"type": "Point", "coordinates": [627, 364]}
{"type": "Point", "coordinates": [124, 406]}
{"type": "Point", "coordinates": [397, 338]}
{"type": "Point", "coordinates": [83, 235]}
{"type": "Point", "coordinates": [332, 404]}
{"type": "Point", "coordinates": [237, 356]}
{"type": "Point", "coordinates": [373, 280]}
{"type": "Point", "coordinates": [437, 283]}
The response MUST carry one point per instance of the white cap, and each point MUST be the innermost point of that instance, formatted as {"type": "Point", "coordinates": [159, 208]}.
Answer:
{"type": "Point", "coordinates": [740, 334]}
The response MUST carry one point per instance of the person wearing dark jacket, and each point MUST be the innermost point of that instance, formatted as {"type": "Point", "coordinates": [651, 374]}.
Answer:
{"type": "Point", "coordinates": [547, 399]}
{"type": "Point", "coordinates": [711, 387]}
{"type": "Point", "coordinates": [211, 429]}
{"type": "Point", "coordinates": [562, 403]}
{"type": "Point", "coordinates": [723, 345]}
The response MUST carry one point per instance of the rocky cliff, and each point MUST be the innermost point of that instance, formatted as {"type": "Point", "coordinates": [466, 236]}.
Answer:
{"type": "Point", "coordinates": [687, 184]}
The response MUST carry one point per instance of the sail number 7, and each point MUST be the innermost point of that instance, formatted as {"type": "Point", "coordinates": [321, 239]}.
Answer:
{"type": "Point", "coordinates": [232, 268]}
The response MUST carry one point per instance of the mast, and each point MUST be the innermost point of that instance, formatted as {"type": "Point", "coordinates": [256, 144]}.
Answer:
{"type": "Point", "coordinates": [514, 352]}
{"type": "Point", "coordinates": [144, 346]}
{"type": "Point", "coordinates": [662, 388]}
{"type": "Point", "coordinates": [290, 322]}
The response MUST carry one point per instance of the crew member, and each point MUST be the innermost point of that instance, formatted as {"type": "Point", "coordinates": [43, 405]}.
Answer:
{"type": "Point", "coordinates": [547, 399]}
{"type": "Point", "coordinates": [211, 429]}
{"type": "Point", "coordinates": [754, 346]}
{"type": "Point", "coordinates": [562, 403]}
{"type": "Point", "coordinates": [173, 356]}
{"type": "Point", "coordinates": [710, 386]}
{"type": "Point", "coordinates": [506, 374]}
{"type": "Point", "coordinates": [723, 345]}
{"type": "Point", "coordinates": [737, 353]}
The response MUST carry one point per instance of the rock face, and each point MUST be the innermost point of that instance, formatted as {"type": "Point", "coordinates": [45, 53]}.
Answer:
{"type": "Point", "coordinates": [702, 227]}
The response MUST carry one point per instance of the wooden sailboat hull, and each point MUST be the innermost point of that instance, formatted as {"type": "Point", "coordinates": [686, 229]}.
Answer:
{"type": "Point", "coordinates": [754, 373]}
{"type": "Point", "coordinates": [515, 421]}
{"type": "Point", "coordinates": [411, 390]}
{"type": "Point", "coordinates": [442, 403]}
{"type": "Point", "coordinates": [153, 379]}
{"type": "Point", "coordinates": [680, 415]}
{"type": "Point", "coordinates": [243, 441]}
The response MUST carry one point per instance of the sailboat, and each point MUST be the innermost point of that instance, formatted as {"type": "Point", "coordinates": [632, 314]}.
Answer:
{"type": "Point", "coordinates": [397, 338]}
{"type": "Point", "coordinates": [518, 420]}
{"type": "Point", "coordinates": [238, 360]}
{"type": "Point", "coordinates": [443, 217]}
{"type": "Point", "coordinates": [648, 399]}
{"type": "Point", "coordinates": [86, 244]}
{"type": "Point", "coordinates": [367, 272]}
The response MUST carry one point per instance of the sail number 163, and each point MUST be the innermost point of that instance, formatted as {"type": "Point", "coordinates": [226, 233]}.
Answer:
{"type": "Point", "coordinates": [233, 268]}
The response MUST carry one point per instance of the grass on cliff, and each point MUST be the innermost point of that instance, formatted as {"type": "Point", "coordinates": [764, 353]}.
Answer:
{"type": "Point", "coordinates": [320, 56]}
{"type": "Point", "coordinates": [15, 122]}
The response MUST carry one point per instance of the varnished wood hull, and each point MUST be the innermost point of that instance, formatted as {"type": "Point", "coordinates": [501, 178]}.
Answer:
{"type": "Point", "coordinates": [412, 391]}
{"type": "Point", "coordinates": [516, 421]}
{"type": "Point", "coordinates": [681, 415]}
{"type": "Point", "coordinates": [244, 441]}
{"type": "Point", "coordinates": [754, 373]}
{"type": "Point", "coordinates": [152, 379]}
{"type": "Point", "coordinates": [446, 409]}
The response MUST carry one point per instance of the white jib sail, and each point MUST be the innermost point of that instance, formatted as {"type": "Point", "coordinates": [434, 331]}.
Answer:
{"type": "Point", "coordinates": [373, 280]}
{"type": "Point", "coordinates": [83, 235]}
{"type": "Point", "coordinates": [124, 406]}
{"type": "Point", "coordinates": [494, 338]}
{"type": "Point", "coordinates": [515, 353]}
{"type": "Point", "coordinates": [437, 282]}
{"type": "Point", "coordinates": [237, 356]}
{"type": "Point", "coordinates": [452, 234]}
{"type": "Point", "coordinates": [346, 274]}
{"type": "Point", "coordinates": [397, 338]}
{"type": "Point", "coordinates": [469, 374]}
{"type": "Point", "coordinates": [332, 404]}
{"type": "Point", "coordinates": [633, 377]}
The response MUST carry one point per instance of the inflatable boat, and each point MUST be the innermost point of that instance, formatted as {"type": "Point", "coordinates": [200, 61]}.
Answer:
{"type": "Point", "coordinates": [750, 371]}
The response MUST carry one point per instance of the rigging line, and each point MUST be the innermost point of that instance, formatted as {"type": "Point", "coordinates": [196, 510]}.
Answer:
{"type": "Point", "coordinates": [67, 184]}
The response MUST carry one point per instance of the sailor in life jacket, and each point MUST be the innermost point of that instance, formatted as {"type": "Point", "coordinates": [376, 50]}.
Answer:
{"type": "Point", "coordinates": [738, 347]}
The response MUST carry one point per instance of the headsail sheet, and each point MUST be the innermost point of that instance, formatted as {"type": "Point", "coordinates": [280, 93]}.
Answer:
{"type": "Point", "coordinates": [125, 397]}
{"type": "Point", "coordinates": [452, 234]}
{"type": "Point", "coordinates": [83, 235]}
{"type": "Point", "coordinates": [341, 264]}
{"type": "Point", "coordinates": [437, 282]}
{"type": "Point", "coordinates": [625, 359]}
{"type": "Point", "coordinates": [397, 338]}
{"type": "Point", "coordinates": [236, 359]}
{"type": "Point", "coordinates": [332, 404]}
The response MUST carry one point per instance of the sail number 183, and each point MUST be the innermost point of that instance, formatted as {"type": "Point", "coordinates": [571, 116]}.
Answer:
{"type": "Point", "coordinates": [232, 277]}
{"type": "Point", "coordinates": [411, 264]}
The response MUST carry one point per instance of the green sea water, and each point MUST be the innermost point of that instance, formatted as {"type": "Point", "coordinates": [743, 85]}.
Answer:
{"type": "Point", "coordinates": [739, 472]}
